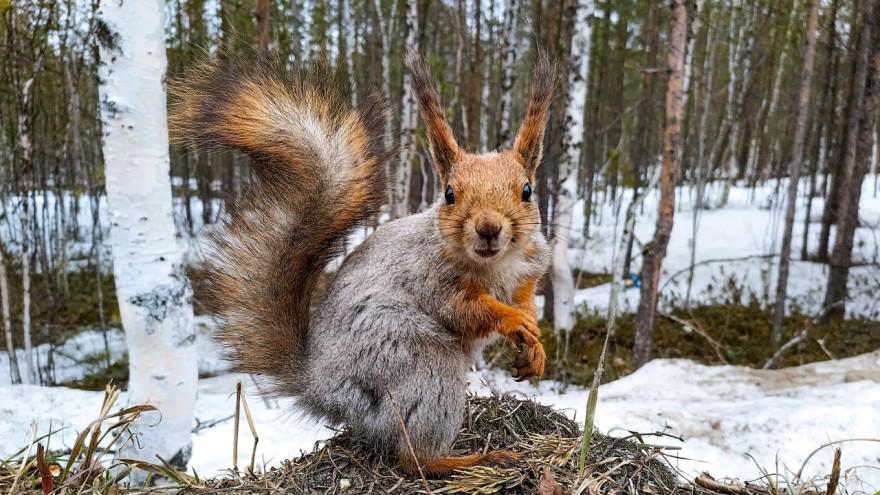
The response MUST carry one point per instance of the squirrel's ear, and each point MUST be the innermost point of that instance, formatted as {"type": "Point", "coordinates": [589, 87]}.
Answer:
{"type": "Point", "coordinates": [529, 140]}
{"type": "Point", "coordinates": [441, 141]}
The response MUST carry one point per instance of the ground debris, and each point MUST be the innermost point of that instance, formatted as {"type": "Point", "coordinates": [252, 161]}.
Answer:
{"type": "Point", "coordinates": [548, 440]}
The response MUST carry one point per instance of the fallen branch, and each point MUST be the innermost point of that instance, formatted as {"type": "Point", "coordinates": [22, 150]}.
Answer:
{"type": "Point", "coordinates": [708, 482]}
{"type": "Point", "coordinates": [800, 337]}
{"type": "Point", "coordinates": [691, 326]}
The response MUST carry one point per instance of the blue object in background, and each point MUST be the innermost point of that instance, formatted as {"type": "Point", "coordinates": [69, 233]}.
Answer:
{"type": "Point", "coordinates": [631, 282]}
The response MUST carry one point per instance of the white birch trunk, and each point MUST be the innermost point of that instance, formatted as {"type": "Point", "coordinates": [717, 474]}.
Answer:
{"type": "Point", "coordinates": [487, 75]}
{"type": "Point", "coordinates": [563, 284]}
{"type": "Point", "coordinates": [689, 56]}
{"type": "Point", "coordinates": [407, 120]}
{"type": "Point", "coordinates": [351, 45]}
{"type": "Point", "coordinates": [508, 60]}
{"type": "Point", "coordinates": [25, 144]}
{"type": "Point", "coordinates": [484, 98]}
{"type": "Point", "coordinates": [14, 373]}
{"type": "Point", "coordinates": [744, 61]}
{"type": "Point", "coordinates": [386, 26]}
{"type": "Point", "coordinates": [152, 290]}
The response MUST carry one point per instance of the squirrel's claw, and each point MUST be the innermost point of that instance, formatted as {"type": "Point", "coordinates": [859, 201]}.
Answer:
{"type": "Point", "coordinates": [529, 362]}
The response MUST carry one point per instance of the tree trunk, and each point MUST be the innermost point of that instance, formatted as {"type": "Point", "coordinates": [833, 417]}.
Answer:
{"type": "Point", "coordinates": [386, 28]}
{"type": "Point", "coordinates": [152, 290]}
{"type": "Point", "coordinates": [857, 159]}
{"type": "Point", "coordinates": [261, 16]}
{"type": "Point", "coordinates": [689, 57]}
{"type": "Point", "coordinates": [14, 373]}
{"type": "Point", "coordinates": [828, 116]}
{"type": "Point", "coordinates": [350, 48]}
{"type": "Point", "coordinates": [485, 107]}
{"type": "Point", "coordinates": [743, 60]}
{"type": "Point", "coordinates": [408, 123]}
{"type": "Point", "coordinates": [700, 167]}
{"type": "Point", "coordinates": [578, 67]}
{"type": "Point", "coordinates": [27, 174]}
{"type": "Point", "coordinates": [508, 61]}
{"type": "Point", "coordinates": [795, 172]}
{"type": "Point", "coordinates": [656, 250]}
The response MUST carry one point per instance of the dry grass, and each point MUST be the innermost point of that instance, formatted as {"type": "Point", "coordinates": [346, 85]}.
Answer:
{"type": "Point", "coordinates": [546, 438]}
{"type": "Point", "coordinates": [548, 441]}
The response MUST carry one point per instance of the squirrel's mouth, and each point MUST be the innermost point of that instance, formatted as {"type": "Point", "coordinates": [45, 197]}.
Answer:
{"type": "Point", "coordinates": [487, 252]}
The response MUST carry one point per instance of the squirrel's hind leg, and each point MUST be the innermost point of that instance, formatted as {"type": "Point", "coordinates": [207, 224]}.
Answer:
{"type": "Point", "coordinates": [445, 465]}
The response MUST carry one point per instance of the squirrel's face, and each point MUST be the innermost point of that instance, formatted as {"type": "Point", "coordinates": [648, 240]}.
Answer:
{"type": "Point", "coordinates": [488, 209]}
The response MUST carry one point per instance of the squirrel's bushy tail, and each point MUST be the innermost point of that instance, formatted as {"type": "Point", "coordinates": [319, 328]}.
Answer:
{"type": "Point", "coordinates": [319, 172]}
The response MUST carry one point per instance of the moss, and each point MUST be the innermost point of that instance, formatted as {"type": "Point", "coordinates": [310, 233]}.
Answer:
{"type": "Point", "coordinates": [61, 306]}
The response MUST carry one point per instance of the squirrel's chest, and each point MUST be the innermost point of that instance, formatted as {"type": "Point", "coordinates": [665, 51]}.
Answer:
{"type": "Point", "coordinates": [503, 279]}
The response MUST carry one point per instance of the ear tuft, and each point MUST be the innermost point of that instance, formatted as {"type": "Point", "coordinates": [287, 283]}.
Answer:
{"type": "Point", "coordinates": [444, 149]}
{"type": "Point", "coordinates": [529, 140]}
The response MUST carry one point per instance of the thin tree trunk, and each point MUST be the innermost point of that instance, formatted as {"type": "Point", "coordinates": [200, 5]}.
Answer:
{"type": "Point", "coordinates": [261, 16]}
{"type": "Point", "coordinates": [743, 60]}
{"type": "Point", "coordinates": [508, 61]}
{"type": "Point", "coordinates": [578, 68]}
{"type": "Point", "coordinates": [386, 28]}
{"type": "Point", "coordinates": [689, 57]}
{"type": "Point", "coordinates": [350, 47]}
{"type": "Point", "coordinates": [701, 168]}
{"type": "Point", "coordinates": [828, 116]}
{"type": "Point", "coordinates": [152, 290]}
{"type": "Point", "coordinates": [858, 155]}
{"type": "Point", "coordinates": [656, 250]}
{"type": "Point", "coordinates": [795, 172]}
{"type": "Point", "coordinates": [485, 106]}
{"type": "Point", "coordinates": [408, 122]}
{"type": "Point", "coordinates": [14, 373]}
{"type": "Point", "coordinates": [27, 174]}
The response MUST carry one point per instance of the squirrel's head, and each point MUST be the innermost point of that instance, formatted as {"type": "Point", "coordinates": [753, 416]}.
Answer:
{"type": "Point", "coordinates": [488, 204]}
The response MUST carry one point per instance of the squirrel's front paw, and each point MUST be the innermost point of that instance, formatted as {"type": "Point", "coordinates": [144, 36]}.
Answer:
{"type": "Point", "coordinates": [529, 362]}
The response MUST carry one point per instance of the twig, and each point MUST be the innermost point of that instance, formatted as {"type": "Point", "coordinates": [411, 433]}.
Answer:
{"type": "Point", "coordinates": [708, 482]}
{"type": "Point", "coordinates": [802, 336]}
{"type": "Point", "coordinates": [357, 462]}
{"type": "Point", "coordinates": [408, 444]}
{"type": "Point", "coordinates": [719, 349]}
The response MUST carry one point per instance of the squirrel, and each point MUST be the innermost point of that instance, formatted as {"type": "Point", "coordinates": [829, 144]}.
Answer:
{"type": "Point", "coordinates": [400, 323]}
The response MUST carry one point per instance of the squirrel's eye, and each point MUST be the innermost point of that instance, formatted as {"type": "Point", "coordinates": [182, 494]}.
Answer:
{"type": "Point", "coordinates": [527, 193]}
{"type": "Point", "coordinates": [449, 195]}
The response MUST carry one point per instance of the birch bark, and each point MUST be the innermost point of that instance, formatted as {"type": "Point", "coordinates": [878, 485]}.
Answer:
{"type": "Point", "coordinates": [511, 28]}
{"type": "Point", "coordinates": [407, 121]}
{"type": "Point", "coordinates": [153, 293]}
{"type": "Point", "coordinates": [14, 373]}
{"type": "Point", "coordinates": [578, 69]}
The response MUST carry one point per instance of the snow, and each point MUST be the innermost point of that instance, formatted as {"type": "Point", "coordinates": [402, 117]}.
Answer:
{"type": "Point", "coordinates": [735, 421]}
{"type": "Point", "coordinates": [739, 236]}
{"type": "Point", "coordinates": [723, 413]}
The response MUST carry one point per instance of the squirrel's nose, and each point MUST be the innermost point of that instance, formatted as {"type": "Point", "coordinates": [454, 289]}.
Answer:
{"type": "Point", "coordinates": [488, 231]}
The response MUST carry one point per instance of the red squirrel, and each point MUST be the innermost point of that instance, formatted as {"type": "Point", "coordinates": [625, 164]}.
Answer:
{"type": "Point", "coordinates": [409, 308]}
